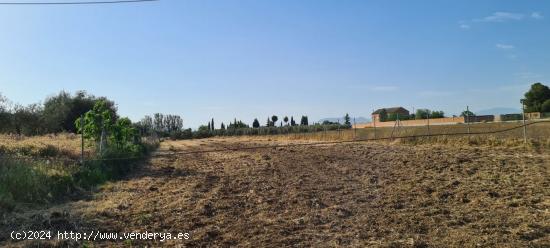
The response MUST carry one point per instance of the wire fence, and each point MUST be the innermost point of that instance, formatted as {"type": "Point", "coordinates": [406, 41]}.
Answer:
{"type": "Point", "coordinates": [355, 137]}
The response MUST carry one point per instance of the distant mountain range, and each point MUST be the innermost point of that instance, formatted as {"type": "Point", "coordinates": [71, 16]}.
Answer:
{"type": "Point", "coordinates": [341, 119]}
{"type": "Point", "coordinates": [498, 111]}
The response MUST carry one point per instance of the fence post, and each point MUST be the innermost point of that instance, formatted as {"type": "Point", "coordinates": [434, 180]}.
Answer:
{"type": "Point", "coordinates": [428, 113]}
{"type": "Point", "coordinates": [374, 124]}
{"type": "Point", "coordinates": [524, 126]}
{"type": "Point", "coordinates": [354, 129]}
{"type": "Point", "coordinates": [82, 139]}
{"type": "Point", "coordinates": [468, 120]}
{"type": "Point", "coordinates": [394, 125]}
{"type": "Point", "coordinates": [102, 140]}
{"type": "Point", "coordinates": [339, 136]}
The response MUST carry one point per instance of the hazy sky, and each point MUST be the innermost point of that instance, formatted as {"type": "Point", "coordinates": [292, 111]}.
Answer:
{"type": "Point", "coordinates": [245, 59]}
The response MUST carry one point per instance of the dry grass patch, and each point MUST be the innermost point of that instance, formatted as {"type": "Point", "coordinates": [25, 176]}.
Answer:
{"type": "Point", "coordinates": [53, 145]}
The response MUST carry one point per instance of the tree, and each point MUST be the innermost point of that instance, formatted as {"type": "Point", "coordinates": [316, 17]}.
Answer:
{"type": "Point", "coordinates": [145, 126]}
{"type": "Point", "coordinates": [5, 115]}
{"type": "Point", "coordinates": [213, 126]}
{"type": "Point", "coordinates": [96, 121]}
{"type": "Point", "coordinates": [467, 113]}
{"type": "Point", "coordinates": [422, 114]}
{"type": "Point", "coordinates": [222, 127]}
{"type": "Point", "coordinates": [292, 122]}
{"type": "Point", "coordinates": [545, 106]}
{"type": "Point", "coordinates": [269, 123]}
{"type": "Point", "coordinates": [61, 110]}
{"type": "Point", "coordinates": [535, 97]}
{"type": "Point", "coordinates": [27, 120]}
{"type": "Point", "coordinates": [274, 119]}
{"type": "Point", "coordinates": [237, 124]}
{"type": "Point", "coordinates": [286, 120]}
{"type": "Point", "coordinates": [256, 123]}
{"type": "Point", "coordinates": [437, 114]}
{"type": "Point", "coordinates": [122, 132]}
{"type": "Point", "coordinates": [347, 120]}
{"type": "Point", "coordinates": [209, 127]}
{"type": "Point", "coordinates": [158, 122]}
{"type": "Point", "coordinates": [304, 121]}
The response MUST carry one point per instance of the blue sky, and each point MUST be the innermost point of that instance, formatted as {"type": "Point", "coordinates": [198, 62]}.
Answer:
{"type": "Point", "coordinates": [246, 59]}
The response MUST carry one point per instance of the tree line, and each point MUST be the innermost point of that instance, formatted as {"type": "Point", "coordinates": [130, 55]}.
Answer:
{"type": "Point", "coordinates": [56, 114]}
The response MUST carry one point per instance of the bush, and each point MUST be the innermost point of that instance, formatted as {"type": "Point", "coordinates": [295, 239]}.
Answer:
{"type": "Point", "coordinates": [28, 181]}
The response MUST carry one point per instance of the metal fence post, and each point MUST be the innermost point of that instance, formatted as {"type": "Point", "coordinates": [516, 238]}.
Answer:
{"type": "Point", "coordinates": [468, 120]}
{"type": "Point", "coordinates": [339, 136]}
{"type": "Point", "coordinates": [82, 139]}
{"type": "Point", "coordinates": [354, 129]}
{"type": "Point", "coordinates": [374, 124]}
{"type": "Point", "coordinates": [524, 126]}
{"type": "Point", "coordinates": [428, 118]}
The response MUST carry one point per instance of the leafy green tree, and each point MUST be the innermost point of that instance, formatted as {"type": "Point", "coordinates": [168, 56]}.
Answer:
{"type": "Point", "coordinates": [286, 120]}
{"type": "Point", "coordinates": [347, 120]}
{"type": "Point", "coordinates": [61, 110]}
{"type": "Point", "coordinates": [292, 122]}
{"type": "Point", "coordinates": [467, 113]}
{"type": "Point", "coordinates": [422, 114]}
{"type": "Point", "coordinates": [122, 132]}
{"type": "Point", "coordinates": [274, 119]}
{"type": "Point", "coordinates": [256, 123]}
{"type": "Point", "coordinates": [96, 121]}
{"type": "Point", "coordinates": [5, 115]}
{"type": "Point", "coordinates": [437, 114]}
{"type": "Point", "coordinates": [158, 123]}
{"type": "Point", "coordinates": [223, 126]}
{"type": "Point", "coordinates": [269, 123]}
{"type": "Point", "coordinates": [535, 97]}
{"type": "Point", "coordinates": [545, 106]}
{"type": "Point", "coordinates": [145, 126]}
{"type": "Point", "coordinates": [237, 124]}
{"type": "Point", "coordinates": [27, 120]}
{"type": "Point", "coordinates": [213, 126]}
{"type": "Point", "coordinates": [304, 121]}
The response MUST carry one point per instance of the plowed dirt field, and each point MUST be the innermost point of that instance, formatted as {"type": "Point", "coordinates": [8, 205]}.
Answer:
{"type": "Point", "coordinates": [355, 194]}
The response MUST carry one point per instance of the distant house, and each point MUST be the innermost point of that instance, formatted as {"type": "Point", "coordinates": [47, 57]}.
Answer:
{"type": "Point", "coordinates": [389, 111]}
{"type": "Point", "coordinates": [533, 115]}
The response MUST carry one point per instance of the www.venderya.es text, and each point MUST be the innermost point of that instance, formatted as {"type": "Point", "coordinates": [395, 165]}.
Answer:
{"type": "Point", "coordinates": [97, 235]}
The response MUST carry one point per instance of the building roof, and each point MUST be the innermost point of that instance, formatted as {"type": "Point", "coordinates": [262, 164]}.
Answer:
{"type": "Point", "coordinates": [391, 110]}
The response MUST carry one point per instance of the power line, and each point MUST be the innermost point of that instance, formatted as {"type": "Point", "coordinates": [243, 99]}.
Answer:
{"type": "Point", "coordinates": [77, 3]}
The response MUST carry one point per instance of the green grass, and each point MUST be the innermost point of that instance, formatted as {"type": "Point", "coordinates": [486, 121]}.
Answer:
{"type": "Point", "coordinates": [33, 181]}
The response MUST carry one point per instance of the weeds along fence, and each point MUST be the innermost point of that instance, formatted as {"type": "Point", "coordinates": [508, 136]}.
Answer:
{"type": "Point", "coordinates": [536, 133]}
{"type": "Point", "coordinates": [52, 177]}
